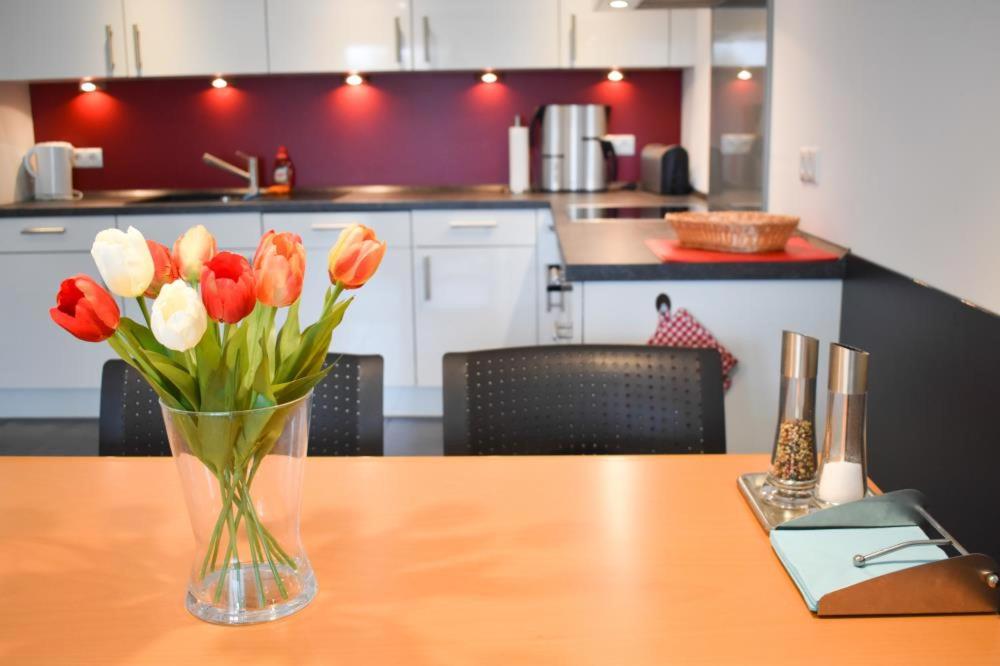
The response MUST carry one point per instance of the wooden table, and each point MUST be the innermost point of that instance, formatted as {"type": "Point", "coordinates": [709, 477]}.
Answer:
{"type": "Point", "coordinates": [570, 560]}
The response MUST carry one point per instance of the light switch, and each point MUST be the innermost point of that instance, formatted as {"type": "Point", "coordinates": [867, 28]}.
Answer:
{"type": "Point", "coordinates": [88, 158]}
{"type": "Point", "coordinates": [624, 144]}
{"type": "Point", "coordinates": [808, 164]}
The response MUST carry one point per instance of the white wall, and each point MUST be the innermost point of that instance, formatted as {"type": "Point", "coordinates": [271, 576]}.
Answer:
{"type": "Point", "coordinates": [903, 99]}
{"type": "Point", "coordinates": [696, 103]}
{"type": "Point", "coordinates": [17, 134]}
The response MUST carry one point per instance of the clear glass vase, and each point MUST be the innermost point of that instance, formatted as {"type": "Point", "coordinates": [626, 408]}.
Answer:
{"type": "Point", "coordinates": [241, 474]}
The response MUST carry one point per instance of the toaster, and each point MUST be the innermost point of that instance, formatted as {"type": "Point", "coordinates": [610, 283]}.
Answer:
{"type": "Point", "coordinates": [664, 169]}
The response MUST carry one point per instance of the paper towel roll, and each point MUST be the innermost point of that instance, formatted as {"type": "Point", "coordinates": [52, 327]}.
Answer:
{"type": "Point", "coordinates": [517, 141]}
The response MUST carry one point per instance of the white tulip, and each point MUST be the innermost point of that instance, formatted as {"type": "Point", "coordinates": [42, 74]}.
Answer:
{"type": "Point", "coordinates": [123, 260]}
{"type": "Point", "coordinates": [192, 250]}
{"type": "Point", "coordinates": [178, 317]}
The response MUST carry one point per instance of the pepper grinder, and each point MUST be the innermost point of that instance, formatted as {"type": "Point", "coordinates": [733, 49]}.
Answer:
{"type": "Point", "coordinates": [792, 475]}
{"type": "Point", "coordinates": [843, 469]}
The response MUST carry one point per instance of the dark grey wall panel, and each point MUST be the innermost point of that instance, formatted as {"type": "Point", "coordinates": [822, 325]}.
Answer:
{"type": "Point", "coordinates": [934, 403]}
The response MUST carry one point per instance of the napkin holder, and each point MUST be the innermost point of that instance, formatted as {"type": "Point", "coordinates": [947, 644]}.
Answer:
{"type": "Point", "coordinates": [963, 583]}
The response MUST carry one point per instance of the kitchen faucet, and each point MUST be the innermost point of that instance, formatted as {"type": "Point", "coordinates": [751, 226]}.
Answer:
{"type": "Point", "coordinates": [250, 173]}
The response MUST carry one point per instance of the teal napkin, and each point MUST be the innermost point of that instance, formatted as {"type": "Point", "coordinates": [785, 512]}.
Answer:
{"type": "Point", "coordinates": [821, 560]}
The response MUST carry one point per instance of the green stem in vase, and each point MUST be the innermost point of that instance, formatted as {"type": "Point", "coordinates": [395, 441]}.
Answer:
{"type": "Point", "coordinates": [258, 528]}
{"type": "Point", "coordinates": [252, 539]}
{"type": "Point", "coordinates": [145, 310]}
{"type": "Point", "coordinates": [232, 551]}
{"type": "Point", "coordinates": [212, 552]}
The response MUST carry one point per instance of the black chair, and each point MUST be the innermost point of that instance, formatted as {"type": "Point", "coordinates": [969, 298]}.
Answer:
{"type": "Point", "coordinates": [346, 415]}
{"type": "Point", "coordinates": [583, 399]}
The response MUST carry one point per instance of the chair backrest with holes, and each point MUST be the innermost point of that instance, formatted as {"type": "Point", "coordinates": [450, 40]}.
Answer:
{"type": "Point", "coordinates": [583, 399]}
{"type": "Point", "coordinates": [346, 417]}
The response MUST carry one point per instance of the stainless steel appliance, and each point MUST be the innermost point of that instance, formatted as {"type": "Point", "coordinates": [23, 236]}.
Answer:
{"type": "Point", "coordinates": [575, 155]}
{"type": "Point", "coordinates": [664, 169]}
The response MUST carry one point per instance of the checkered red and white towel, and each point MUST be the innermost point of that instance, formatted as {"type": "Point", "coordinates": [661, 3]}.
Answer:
{"type": "Point", "coordinates": [681, 329]}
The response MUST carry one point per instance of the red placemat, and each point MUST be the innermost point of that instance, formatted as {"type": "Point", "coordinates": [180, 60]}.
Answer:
{"type": "Point", "coordinates": [797, 249]}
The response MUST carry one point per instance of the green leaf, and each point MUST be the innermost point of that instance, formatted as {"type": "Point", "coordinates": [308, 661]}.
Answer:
{"type": "Point", "coordinates": [308, 358]}
{"type": "Point", "coordinates": [179, 377]}
{"type": "Point", "coordinates": [297, 388]}
{"type": "Point", "coordinates": [289, 337]}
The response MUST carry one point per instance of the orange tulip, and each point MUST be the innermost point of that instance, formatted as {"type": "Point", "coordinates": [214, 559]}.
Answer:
{"type": "Point", "coordinates": [279, 266]}
{"type": "Point", "coordinates": [355, 257]}
{"type": "Point", "coordinates": [84, 309]}
{"type": "Point", "coordinates": [164, 271]}
{"type": "Point", "coordinates": [227, 288]}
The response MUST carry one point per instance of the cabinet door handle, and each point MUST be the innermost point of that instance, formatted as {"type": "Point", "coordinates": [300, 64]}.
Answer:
{"type": "Point", "coordinates": [329, 226]}
{"type": "Point", "coordinates": [109, 47]}
{"type": "Point", "coordinates": [137, 45]}
{"type": "Point", "coordinates": [35, 231]}
{"type": "Point", "coordinates": [427, 277]}
{"type": "Point", "coordinates": [572, 39]}
{"type": "Point", "coordinates": [472, 224]}
{"type": "Point", "coordinates": [427, 40]}
{"type": "Point", "coordinates": [399, 42]}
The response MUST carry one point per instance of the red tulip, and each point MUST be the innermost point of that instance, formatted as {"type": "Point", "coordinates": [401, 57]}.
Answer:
{"type": "Point", "coordinates": [84, 309]}
{"type": "Point", "coordinates": [227, 287]}
{"type": "Point", "coordinates": [164, 270]}
{"type": "Point", "coordinates": [279, 266]}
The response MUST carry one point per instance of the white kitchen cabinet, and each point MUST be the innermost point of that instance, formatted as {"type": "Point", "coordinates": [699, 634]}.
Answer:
{"type": "Point", "coordinates": [339, 35]}
{"type": "Point", "coordinates": [192, 37]}
{"type": "Point", "coordinates": [478, 34]}
{"type": "Point", "coordinates": [61, 39]}
{"type": "Point", "coordinates": [35, 256]}
{"type": "Point", "coordinates": [596, 36]}
{"type": "Point", "coordinates": [471, 298]}
{"type": "Point", "coordinates": [686, 26]}
{"type": "Point", "coordinates": [380, 320]}
{"type": "Point", "coordinates": [747, 316]}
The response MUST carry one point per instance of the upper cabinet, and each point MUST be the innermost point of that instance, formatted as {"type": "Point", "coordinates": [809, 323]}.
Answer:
{"type": "Point", "coordinates": [192, 37]}
{"type": "Point", "coordinates": [61, 39]}
{"type": "Point", "coordinates": [339, 35]}
{"type": "Point", "coordinates": [690, 32]}
{"type": "Point", "coordinates": [602, 37]}
{"type": "Point", "coordinates": [479, 34]}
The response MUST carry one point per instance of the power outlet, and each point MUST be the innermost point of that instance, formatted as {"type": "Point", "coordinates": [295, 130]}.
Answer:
{"type": "Point", "coordinates": [88, 158]}
{"type": "Point", "coordinates": [808, 164]}
{"type": "Point", "coordinates": [624, 144]}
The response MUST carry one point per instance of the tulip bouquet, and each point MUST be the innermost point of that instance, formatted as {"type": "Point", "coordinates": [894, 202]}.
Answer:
{"type": "Point", "coordinates": [208, 344]}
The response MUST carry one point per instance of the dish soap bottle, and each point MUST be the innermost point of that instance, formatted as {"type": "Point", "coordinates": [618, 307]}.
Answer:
{"type": "Point", "coordinates": [284, 172]}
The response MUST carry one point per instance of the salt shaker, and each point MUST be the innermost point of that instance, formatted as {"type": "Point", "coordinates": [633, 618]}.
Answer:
{"type": "Point", "coordinates": [843, 469]}
{"type": "Point", "coordinates": [792, 475]}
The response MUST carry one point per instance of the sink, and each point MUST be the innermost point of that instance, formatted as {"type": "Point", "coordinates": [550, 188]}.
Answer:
{"type": "Point", "coordinates": [195, 196]}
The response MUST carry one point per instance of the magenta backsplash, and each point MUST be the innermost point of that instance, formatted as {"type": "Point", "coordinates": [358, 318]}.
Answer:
{"type": "Point", "coordinates": [440, 128]}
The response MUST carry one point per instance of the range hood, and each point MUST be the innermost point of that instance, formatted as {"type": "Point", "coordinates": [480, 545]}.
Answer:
{"type": "Point", "coordinates": [695, 4]}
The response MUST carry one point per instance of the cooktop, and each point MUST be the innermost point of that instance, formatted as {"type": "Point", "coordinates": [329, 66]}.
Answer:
{"type": "Point", "coordinates": [624, 212]}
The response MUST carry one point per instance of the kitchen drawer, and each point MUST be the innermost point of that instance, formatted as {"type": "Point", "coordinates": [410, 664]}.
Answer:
{"type": "Point", "coordinates": [51, 234]}
{"type": "Point", "coordinates": [232, 231]}
{"type": "Point", "coordinates": [320, 230]}
{"type": "Point", "coordinates": [473, 227]}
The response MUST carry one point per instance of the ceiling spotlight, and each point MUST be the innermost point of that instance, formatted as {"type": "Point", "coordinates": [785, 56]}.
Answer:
{"type": "Point", "coordinates": [219, 82]}
{"type": "Point", "coordinates": [489, 77]}
{"type": "Point", "coordinates": [87, 86]}
{"type": "Point", "coordinates": [615, 75]}
{"type": "Point", "coordinates": [354, 79]}
{"type": "Point", "coordinates": [618, 4]}
{"type": "Point", "coordinates": [744, 74]}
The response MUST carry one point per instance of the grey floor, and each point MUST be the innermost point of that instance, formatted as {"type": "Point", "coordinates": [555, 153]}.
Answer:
{"type": "Point", "coordinates": [78, 437]}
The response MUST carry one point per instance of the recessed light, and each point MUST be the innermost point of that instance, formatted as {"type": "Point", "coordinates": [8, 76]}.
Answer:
{"type": "Point", "coordinates": [489, 77]}
{"type": "Point", "coordinates": [87, 86]}
{"type": "Point", "coordinates": [744, 75]}
{"type": "Point", "coordinates": [219, 82]}
{"type": "Point", "coordinates": [618, 4]}
{"type": "Point", "coordinates": [615, 75]}
{"type": "Point", "coordinates": [354, 79]}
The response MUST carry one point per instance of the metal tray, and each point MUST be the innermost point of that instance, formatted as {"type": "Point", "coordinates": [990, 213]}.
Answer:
{"type": "Point", "coordinates": [768, 516]}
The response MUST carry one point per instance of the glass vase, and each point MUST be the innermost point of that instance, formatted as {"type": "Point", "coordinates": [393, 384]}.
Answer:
{"type": "Point", "coordinates": [241, 474]}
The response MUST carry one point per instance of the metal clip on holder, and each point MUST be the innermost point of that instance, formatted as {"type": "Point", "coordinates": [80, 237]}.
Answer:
{"type": "Point", "coordinates": [963, 583]}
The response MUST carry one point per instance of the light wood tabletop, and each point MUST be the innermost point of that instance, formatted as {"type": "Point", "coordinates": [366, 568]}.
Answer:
{"type": "Point", "coordinates": [529, 560]}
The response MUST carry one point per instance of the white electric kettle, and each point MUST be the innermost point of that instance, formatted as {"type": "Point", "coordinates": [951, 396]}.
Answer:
{"type": "Point", "coordinates": [50, 163]}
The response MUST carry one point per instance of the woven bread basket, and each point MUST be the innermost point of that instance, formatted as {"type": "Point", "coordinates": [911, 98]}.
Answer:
{"type": "Point", "coordinates": [733, 231]}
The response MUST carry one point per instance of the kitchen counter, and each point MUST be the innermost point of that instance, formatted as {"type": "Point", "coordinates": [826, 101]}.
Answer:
{"type": "Point", "coordinates": [592, 250]}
